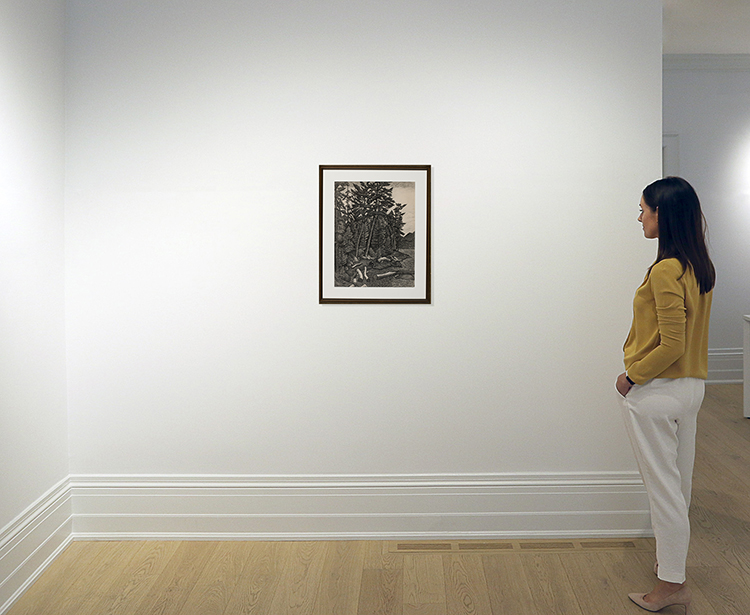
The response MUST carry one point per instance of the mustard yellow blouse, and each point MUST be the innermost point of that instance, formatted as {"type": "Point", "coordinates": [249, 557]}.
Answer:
{"type": "Point", "coordinates": [669, 334]}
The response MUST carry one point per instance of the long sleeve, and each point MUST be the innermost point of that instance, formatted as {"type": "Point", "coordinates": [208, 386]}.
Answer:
{"type": "Point", "coordinates": [668, 291]}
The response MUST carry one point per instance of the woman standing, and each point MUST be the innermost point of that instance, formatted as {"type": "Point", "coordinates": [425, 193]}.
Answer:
{"type": "Point", "coordinates": [666, 362]}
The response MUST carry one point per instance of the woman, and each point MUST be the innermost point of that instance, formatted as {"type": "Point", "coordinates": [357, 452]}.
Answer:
{"type": "Point", "coordinates": [666, 362]}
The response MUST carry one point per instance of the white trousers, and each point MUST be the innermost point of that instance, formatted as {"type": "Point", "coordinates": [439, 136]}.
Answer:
{"type": "Point", "coordinates": [661, 418]}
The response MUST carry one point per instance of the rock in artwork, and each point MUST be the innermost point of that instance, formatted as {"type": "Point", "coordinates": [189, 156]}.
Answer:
{"type": "Point", "coordinates": [374, 234]}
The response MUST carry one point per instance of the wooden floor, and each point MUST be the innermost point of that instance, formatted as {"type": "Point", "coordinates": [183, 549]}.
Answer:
{"type": "Point", "coordinates": [505, 577]}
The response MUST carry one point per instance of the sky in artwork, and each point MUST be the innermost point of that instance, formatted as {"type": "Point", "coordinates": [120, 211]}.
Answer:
{"type": "Point", "coordinates": [403, 192]}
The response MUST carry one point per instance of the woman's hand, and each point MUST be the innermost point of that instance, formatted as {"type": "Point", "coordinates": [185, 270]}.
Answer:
{"type": "Point", "coordinates": [622, 385]}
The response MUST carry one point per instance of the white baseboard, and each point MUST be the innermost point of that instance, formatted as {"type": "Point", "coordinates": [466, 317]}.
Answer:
{"type": "Point", "coordinates": [707, 61]}
{"type": "Point", "coordinates": [725, 366]}
{"type": "Point", "coordinates": [358, 507]}
{"type": "Point", "coordinates": [32, 541]}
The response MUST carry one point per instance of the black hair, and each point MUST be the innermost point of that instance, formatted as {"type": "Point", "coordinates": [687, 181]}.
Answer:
{"type": "Point", "coordinates": [682, 228]}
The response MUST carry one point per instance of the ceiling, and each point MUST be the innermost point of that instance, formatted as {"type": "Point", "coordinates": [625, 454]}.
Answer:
{"type": "Point", "coordinates": [707, 26]}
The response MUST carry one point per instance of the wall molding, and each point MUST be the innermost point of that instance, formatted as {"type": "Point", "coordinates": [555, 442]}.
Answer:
{"type": "Point", "coordinates": [725, 366]}
{"type": "Point", "coordinates": [298, 507]}
{"type": "Point", "coordinates": [30, 542]}
{"type": "Point", "coordinates": [706, 61]}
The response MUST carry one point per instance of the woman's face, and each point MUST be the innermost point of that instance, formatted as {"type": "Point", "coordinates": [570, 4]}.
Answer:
{"type": "Point", "coordinates": [649, 218]}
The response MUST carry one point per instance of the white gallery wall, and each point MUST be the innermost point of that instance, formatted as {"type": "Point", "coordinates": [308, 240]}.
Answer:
{"type": "Point", "coordinates": [33, 423]}
{"type": "Point", "coordinates": [707, 119]}
{"type": "Point", "coordinates": [33, 431]}
{"type": "Point", "coordinates": [198, 356]}
{"type": "Point", "coordinates": [196, 347]}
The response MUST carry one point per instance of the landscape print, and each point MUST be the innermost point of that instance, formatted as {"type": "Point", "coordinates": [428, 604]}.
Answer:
{"type": "Point", "coordinates": [374, 234]}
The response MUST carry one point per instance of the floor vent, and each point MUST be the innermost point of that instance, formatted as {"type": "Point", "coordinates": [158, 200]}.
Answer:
{"type": "Point", "coordinates": [547, 546]}
{"type": "Point", "coordinates": [484, 546]}
{"type": "Point", "coordinates": [522, 546]}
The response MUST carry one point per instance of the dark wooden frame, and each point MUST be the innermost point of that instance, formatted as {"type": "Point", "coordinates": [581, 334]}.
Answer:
{"type": "Point", "coordinates": [329, 292]}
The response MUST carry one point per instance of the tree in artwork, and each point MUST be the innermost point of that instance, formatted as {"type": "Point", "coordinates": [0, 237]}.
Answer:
{"type": "Point", "coordinates": [372, 245]}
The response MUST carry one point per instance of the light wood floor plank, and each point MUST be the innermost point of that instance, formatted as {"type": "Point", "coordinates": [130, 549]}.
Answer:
{"type": "Point", "coordinates": [703, 544]}
{"type": "Point", "coordinates": [724, 445]}
{"type": "Point", "coordinates": [172, 589]}
{"type": "Point", "coordinates": [549, 584]}
{"type": "Point", "coordinates": [102, 596]}
{"type": "Point", "coordinates": [379, 557]}
{"type": "Point", "coordinates": [701, 603]}
{"type": "Point", "coordinates": [424, 584]}
{"type": "Point", "coordinates": [726, 403]}
{"type": "Point", "coordinates": [711, 548]}
{"type": "Point", "coordinates": [728, 536]}
{"type": "Point", "coordinates": [303, 570]}
{"type": "Point", "coordinates": [717, 473]}
{"type": "Point", "coordinates": [592, 585]}
{"type": "Point", "coordinates": [216, 584]}
{"type": "Point", "coordinates": [381, 592]}
{"type": "Point", "coordinates": [507, 585]}
{"type": "Point", "coordinates": [425, 609]}
{"type": "Point", "coordinates": [727, 594]}
{"type": "Point", "coordinates": [259, 580]}
{"type": "Point", "coordinates": [90, 586]}
{"type": "Point", "coordinates": [466, 585]}
{"type": "Point", "coordinates": [341, 579]}
{"type": "Point", "coordinates": [138, 577]}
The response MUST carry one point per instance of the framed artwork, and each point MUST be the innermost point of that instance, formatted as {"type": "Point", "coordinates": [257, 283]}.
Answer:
{"type": "Point", "coordinates": [374, 234]}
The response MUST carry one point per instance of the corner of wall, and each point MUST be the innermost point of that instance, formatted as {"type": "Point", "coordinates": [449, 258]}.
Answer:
{"type": "Point", "coordinates": [32, 541]}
